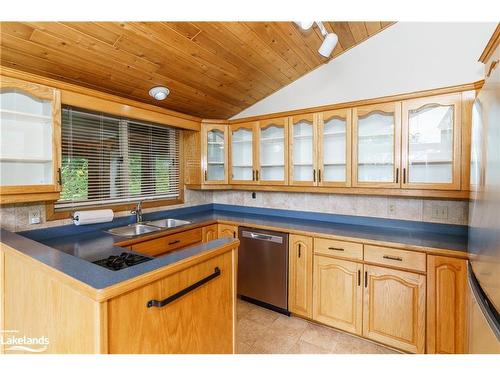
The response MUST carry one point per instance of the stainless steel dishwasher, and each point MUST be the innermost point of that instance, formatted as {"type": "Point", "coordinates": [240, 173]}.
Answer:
{"type": "Point", "coordinates": [263, 268]}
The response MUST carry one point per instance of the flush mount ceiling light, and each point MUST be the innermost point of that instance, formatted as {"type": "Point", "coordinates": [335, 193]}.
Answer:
{"type": "Point", "coordinates": [330, 41]}
{"type": "Point", "coordinates": [159, 92]}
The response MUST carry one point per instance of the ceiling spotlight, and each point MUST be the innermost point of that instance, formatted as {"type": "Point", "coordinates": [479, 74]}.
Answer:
{"type": "Point", "coordinates": [159, 92]}
{"type": "Point", "coordinates": [328, 45]}
{"type": "Point", "coordinates": [305, 25]}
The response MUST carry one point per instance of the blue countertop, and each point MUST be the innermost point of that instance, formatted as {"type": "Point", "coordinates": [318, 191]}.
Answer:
{"type": "Point", "coordinates": [71, 249]}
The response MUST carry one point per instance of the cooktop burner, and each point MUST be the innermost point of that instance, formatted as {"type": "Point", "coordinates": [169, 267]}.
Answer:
{"type": "Point", "coordinates": [124, 260]}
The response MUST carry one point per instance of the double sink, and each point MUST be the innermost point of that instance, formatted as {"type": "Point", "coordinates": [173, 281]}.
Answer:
{"type": "Point", "coordinates": [138, 229]}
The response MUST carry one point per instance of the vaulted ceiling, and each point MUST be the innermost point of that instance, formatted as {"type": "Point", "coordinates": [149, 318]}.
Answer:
{"type": "Point", "coordinates": [213, 69]}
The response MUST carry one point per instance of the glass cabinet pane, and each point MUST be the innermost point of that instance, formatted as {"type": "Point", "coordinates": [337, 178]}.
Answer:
{"type": "Point", "coordinates": [334, 149]}
{"type": "Point", "coordinates": [215, 155]}
{"type": "Point", "coordinates": [26, 139]}
{"type": "Point", "coordinates": [303, 163]}
{"type": "Point", "coordinates": [376, 147]}
{"type": "Point", "coordinates": [272, 153]}
{"type": "Point", "coordinates": [242, 154]}
{"type": "Point", "coordinates": [430, 144]}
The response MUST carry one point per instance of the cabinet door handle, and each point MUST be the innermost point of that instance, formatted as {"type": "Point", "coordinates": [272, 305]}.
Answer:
{"type": "Point", "coordinates": [359, 277]}
{"type": "Point", "coordinates": [205, 175]}
{"type": "Point", "coordinates": [336, 248]}
{"type": "Point", "coordinates": [397, 175]}
{"type": "Point", "coordinates": [366, 279]}
{"type": "Point", "coordinates": [314, 175]}
{"type": "Point", "coordinates": [319, 175]}
{"type": "Point", "coordinates": [174, 242]}
{"type": "Point", "coordinates": [234, 234]}
{"type": "Point", "coordinates": [399, 259]}
{"type": "Point", "coordinates": [299, 249]}
{"type": "Point", "coordinates": [253, 175]}
{"type": "Point", "coordinates": [173, 297]}
{"type": "Point", "coordinates": [59, 176]}
{"type": "Point", "coordinates": [257, 175]}
{"type": "Point", "coordinates": [404, 175]}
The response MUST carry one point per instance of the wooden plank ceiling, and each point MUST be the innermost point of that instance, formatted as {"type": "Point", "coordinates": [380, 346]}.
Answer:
{"type": "Point", "coordinates": [213, 69]}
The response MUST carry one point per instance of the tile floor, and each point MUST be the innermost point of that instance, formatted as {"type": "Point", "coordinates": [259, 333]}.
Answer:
{"type": "Point", "coordinates": [262, 331]}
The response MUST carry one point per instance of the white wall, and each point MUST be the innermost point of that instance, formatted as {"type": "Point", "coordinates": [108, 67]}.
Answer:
{"type": "Point", "coordinates": [406, 57]}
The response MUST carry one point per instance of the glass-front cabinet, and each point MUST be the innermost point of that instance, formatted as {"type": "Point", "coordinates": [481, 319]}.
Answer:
{"type": "Point", "coordinates": [244, 153]}
{"type": "Point", "coordinates": [303, 150]}
{"type": "Point", "coordinates": [431, 143]}
{"type": "Point", "coordinates": [334, 157]}
{"type": "Point", "coordinates": [215, 153]}
{"type": "Point", "coordinates": [377, 145]}
{"type": "Point", "coordinates": [30, 133]}
{"type": "Point", "coordinates": [273, 152]}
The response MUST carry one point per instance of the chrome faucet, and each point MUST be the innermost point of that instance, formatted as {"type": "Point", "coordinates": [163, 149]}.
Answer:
{"type": "Point", "coordinates": [138, 212]}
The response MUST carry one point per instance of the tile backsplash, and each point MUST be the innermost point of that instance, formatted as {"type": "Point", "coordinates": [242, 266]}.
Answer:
{"type": "Point", "coordinates": [358, 205]}
{"type": "Point", "coordinates": [16, 217]}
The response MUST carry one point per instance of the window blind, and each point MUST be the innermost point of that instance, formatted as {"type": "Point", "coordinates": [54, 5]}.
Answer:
{"type": "Point", "coordinates": [111, 160]}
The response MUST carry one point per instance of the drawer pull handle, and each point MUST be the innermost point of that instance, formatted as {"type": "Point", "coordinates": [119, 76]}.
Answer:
{"type": "Point", "coordinates": [173, 297]}
{"type": "Point", "coordinates": [336, 248]}
{"type": "Point", "coordinates": [174, 242]}
{"type": "Point", "coordinates": [399, 259]}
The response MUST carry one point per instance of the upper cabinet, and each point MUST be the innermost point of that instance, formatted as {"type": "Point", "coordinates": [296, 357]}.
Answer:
{"type": "Point", "coordinates": [214, 149]}
{"type": "Point", "coordinates": [376, 145]}
{"type": "Point", "coordinates": [244, 153]}
{"type": "Point", "coordinates": [273, 152]}
{"type": "Point", "coordinates": [334, 151]}
{"type": "Point", "coordinates": [431, 143]}
{"type": "Point", "coordinates": [303, 151]}
{"type": "Point", "coordinates": [30, 141]}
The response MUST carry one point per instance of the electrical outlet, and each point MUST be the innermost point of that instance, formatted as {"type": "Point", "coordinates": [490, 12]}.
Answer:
{"type": "Point", "coordinates": [391, 209]}
{"type": "Point", "coordinates": [440, 212]}
{"type": "Point", "coordinates": [34, 216]}
{"type": "Point", "coordinates": [254, 195]}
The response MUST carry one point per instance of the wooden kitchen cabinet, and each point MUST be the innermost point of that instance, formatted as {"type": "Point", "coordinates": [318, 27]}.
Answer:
{"type": "Point", "coordinates": [226, 230]}
{"type": "Point", "coordinates": [446, 304]}
{"type": "Point", "coordinates": [303, 138]}
{"type": "Point", "coordinates": [215, 153]}
{"type": "Point", "coordinates": [394, 308]}
{"type": "Point", "coordinates": [31, 141]}
{"type": "Point", "coordinates": [244, 153]}
{"type": "Point", "coordinates": [300, 268]}
{"type": "Point", "coordinates": [338, 293]}
{"type": "Point", "coordinates": [272, 136]}
{"type": "Point", "coordinates": [209, 233]}
{"type": "Point", "coordinates": [168, 243]}
{"type": "Point", "coordinates": [376, 143]}
{"type": "Point", "coordinates": [431, 133]}
{"type": "Point", "coordinates": [135, 327]}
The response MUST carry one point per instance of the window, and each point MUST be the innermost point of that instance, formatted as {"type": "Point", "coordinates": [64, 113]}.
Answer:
{"type": "Point", "coordinates": [109, 160]}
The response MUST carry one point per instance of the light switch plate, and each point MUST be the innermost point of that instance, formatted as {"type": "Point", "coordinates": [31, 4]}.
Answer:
{"type": "Point", "coordinates": [440, 212]}
{"type": "Point", "coordinates": [34, 216]}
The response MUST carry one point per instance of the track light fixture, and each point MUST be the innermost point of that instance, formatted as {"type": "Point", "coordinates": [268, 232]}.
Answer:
{"type": "Point", "coordinates": [330, 41]}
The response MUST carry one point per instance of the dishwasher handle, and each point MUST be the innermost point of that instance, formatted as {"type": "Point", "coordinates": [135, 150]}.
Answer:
{"type": "Point", "coordinates": [262, 236]}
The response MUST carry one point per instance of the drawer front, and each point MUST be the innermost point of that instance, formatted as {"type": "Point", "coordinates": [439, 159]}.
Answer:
{"type": "Point", "coordinates": [341, 249]}
{"type": "Point", "coordinates": [168, 243]}
{"type": "Point", "coordinates": [388, 256]}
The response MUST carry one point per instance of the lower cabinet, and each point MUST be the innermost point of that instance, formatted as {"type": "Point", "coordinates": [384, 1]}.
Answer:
{"type": "Point", "coordinates": [446, 301]}
{"type": "Point", "coordinates": [394, 308]}
{"type": "Point", "coordinates": [338, 293]}
{"type": "Point", "coordinates": [209, 233]}
{"type": "Point", "coordinates": [135, 326]}
{"type": "Point", "coordinates": [300, 275]}
{"type": "Point", "coordinates": [226, 230]}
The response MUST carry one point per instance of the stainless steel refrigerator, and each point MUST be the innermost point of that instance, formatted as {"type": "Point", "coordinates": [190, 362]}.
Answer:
{"type": "Point", "coordinates": [484, 220]}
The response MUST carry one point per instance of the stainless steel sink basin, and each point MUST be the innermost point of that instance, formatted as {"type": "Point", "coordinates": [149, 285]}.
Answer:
{"type": "Point", "coordinates": [133, 230]}
{"type": "Point", "coordinates": [168, 223]}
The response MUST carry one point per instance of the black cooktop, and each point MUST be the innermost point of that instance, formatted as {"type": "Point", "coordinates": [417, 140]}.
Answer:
{"type": "Point", "coordinates": [124, 260]}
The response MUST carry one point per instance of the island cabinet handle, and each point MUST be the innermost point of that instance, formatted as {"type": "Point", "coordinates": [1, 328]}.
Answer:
{"type": "Point", "coordinates": [174, 242]}
{"type": "Point", "coordinates": [336, 248]}
{"type": "Point", "coordinates": [399, 259]}
{"type": "Point", "coordinates": [183, 292]}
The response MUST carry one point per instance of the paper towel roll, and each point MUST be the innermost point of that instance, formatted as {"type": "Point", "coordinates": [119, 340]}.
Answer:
{"type": "Point", "coordinates": [92, 216]}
